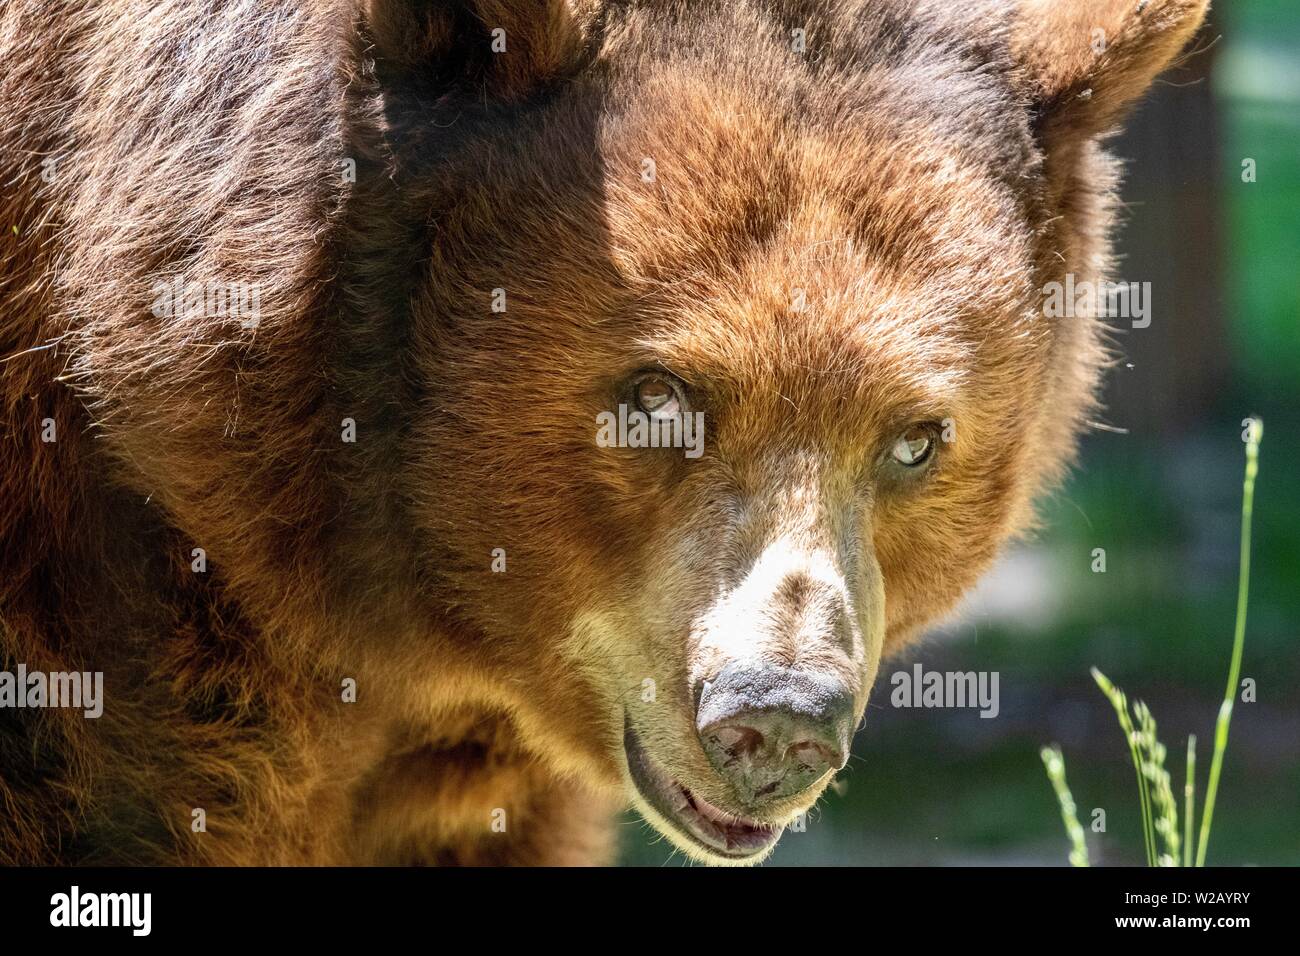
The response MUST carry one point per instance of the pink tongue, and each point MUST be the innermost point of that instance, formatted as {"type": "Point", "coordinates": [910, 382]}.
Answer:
{"type": "Point", "coordinates": [716, 816]}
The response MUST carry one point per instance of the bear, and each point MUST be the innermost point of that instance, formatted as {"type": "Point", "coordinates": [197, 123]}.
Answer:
{"type": "Point", "coordinates": [440, 425]}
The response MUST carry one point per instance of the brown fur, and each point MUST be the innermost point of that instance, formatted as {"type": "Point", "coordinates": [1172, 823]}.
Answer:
{"type": "Point", "coordinates": [920, 173]}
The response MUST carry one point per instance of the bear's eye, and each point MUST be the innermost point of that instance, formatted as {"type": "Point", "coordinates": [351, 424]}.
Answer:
{"type": "Point", "coordinates": [659, 397]}
{"type": "Point", "coordinates": [914, 447]}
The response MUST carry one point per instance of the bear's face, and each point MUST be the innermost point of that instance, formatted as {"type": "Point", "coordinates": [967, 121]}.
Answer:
{"type": "Point", "coordinates": [826, 354]}
{"type": "Point", "coordinates": [819, 291]}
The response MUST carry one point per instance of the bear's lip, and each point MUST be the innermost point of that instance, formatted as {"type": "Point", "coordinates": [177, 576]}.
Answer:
{"type": "Point", "coordinates": [716, 831]}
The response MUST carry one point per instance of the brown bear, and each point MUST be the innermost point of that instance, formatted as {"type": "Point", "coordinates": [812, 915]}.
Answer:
{"type": "Point", "coordinates": [439, 424]}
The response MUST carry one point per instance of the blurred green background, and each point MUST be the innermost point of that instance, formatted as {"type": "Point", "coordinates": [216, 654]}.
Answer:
{"type": "Point", "coordinates": [945, 787]}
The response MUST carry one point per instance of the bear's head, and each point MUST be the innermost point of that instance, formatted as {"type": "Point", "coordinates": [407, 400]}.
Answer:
{"type": "Point", "coordinates": [732, 365]}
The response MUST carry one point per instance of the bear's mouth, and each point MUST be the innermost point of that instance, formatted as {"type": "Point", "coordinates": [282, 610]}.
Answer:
{"type": "Point", "coordinates": [717, 832]}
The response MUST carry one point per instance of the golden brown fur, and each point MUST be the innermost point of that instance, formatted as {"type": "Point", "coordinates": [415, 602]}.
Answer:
{"type": "Point", "coordinates": [919, 173]}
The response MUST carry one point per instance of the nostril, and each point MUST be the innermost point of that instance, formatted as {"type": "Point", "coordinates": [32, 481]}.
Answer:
{"type": "Point", "coordinates": [810, 753]}
{"type": "Point", "coordinates": [736, 741]}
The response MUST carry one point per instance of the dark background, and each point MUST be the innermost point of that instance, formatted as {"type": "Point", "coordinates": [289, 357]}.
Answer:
{"type": "Point", "coordinates": [1163, 499]}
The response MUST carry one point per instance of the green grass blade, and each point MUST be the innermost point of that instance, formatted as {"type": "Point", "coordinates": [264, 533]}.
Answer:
{"type": "Point", "coordinates": [1189, 799]}
{"type": "Point", "coordinates": [1164, 807]}
{"type": "Point", "coordinates": [1256, 433]}
{"type": "Point", "coordinates": [1119, 701]}
{"type": "Point", "coordinates": [1054, 762]}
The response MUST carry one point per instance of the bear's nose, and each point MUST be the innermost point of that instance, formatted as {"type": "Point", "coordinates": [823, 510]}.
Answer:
{"type": "Point", "coordinates": [771, 731]}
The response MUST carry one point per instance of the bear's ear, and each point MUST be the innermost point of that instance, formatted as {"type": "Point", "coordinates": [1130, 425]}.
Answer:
{"type": "Point", "coordinates": [1084, 62]}
{"type": "Point", "coordinates": [504, 48]}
